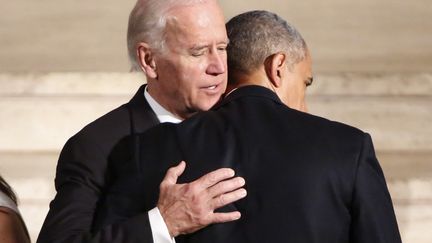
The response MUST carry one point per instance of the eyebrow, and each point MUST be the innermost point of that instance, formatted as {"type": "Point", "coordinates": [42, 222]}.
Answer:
{"type": "Point", "coordinates": [309, 81]}
{"type": "Point", "coordinates": [198, 47]}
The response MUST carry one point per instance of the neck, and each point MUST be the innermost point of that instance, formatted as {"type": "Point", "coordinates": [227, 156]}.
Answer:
{"type": "Point", "coordinates": [163, 100]}
{"type": "Point", "coordinates": [258, 77]}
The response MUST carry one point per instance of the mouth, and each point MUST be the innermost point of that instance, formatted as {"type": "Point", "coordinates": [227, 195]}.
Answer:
{"type": "Point", "coordinates": [213, 89]}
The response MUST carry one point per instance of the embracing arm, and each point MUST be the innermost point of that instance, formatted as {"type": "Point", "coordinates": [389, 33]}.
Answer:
{"type": "Point", "coordinates": [80, 181]}
{"type": "Point", "coordinates": [185, 208]}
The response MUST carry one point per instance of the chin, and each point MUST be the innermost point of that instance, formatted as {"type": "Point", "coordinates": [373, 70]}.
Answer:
{"type": "Point", "coordinates": [207, 106]}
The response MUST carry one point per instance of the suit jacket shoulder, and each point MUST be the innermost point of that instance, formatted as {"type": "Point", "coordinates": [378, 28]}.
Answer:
{"type": "Point", "coordinates": [83, 175]}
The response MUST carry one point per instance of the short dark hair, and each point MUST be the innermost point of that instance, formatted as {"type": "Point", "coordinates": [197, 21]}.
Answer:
{"type": "Point", "coordinates": [256, 35]}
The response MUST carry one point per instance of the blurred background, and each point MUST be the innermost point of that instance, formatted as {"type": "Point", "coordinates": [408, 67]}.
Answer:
{"type": "Point", "coordinates": [63, 63]}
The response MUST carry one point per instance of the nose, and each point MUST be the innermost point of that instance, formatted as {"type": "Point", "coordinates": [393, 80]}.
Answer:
{"type": "Point", "coordinates": [217, 62]}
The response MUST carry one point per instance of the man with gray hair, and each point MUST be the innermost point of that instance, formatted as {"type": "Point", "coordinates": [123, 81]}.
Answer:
{"type": "Point", "coordinates": [180, 45]}
{"type": "Point", "coordinates": [308, 179]}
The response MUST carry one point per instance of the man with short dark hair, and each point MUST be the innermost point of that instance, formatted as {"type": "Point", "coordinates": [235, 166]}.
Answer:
{"type": "Point", "coordinates": [308, 179]}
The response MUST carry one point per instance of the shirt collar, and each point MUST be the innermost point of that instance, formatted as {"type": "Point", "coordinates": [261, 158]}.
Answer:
{"type": "Point", "coordinates": [162, 114]}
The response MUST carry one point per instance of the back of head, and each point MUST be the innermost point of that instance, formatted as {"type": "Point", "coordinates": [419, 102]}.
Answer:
{"type": "Point", "coordinates": [256, 35]}
{"type": "Point", "coordinates": [147, 22]}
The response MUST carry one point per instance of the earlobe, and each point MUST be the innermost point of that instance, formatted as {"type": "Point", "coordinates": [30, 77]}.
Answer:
{"type": "Point", "coordinates": [146, 60]}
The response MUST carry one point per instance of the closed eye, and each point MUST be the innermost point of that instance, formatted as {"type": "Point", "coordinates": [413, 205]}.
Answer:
{"type": "Point", "coordinates": [197, 51]}
{"type": "Point", "coordinates": [222, 48]}
{"type": "Point", "coordinates": [309, 81]}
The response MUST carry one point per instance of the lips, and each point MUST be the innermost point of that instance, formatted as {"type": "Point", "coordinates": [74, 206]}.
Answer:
{"type": "Point", "coordinates": [212, 89]}
{"type": "Point", "coordinates": [211, 86]}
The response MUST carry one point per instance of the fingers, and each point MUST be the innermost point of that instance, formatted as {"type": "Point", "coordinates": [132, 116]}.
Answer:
{"type": "Point", "coordinates": [225, 217]}
{"type": "Point", "coordinates": [189, 207]}
{"type": "Point", "coordinates": [213, 178]}
{"type": "Point", "coordinates": [173, 173]}
{"type": "Point", "coordinates": [226, 186]}
{"type": "Point", "coordinates": [228, 198]}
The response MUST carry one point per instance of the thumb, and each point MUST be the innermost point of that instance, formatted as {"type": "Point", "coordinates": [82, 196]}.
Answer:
{"type": "Point", "coordinates": [174, 172]}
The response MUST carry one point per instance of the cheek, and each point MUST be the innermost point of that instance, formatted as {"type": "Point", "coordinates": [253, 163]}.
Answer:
{"type": "Point", "coordinates": [193, 75]}
{"type": "Point", "coordinates": [188, 81]}
{"type": "Point", "coordinates": [200, 68]}
{"type": "Point", "coordinates": [191, 68]}
{"type": "Point", "coordinates": [300, 96]}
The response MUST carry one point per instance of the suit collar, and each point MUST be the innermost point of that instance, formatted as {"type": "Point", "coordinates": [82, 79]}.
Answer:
{"type": "Point", "coordinates": [162, 114]}
{"type": "Point", "coordinates": [141, 114]}
{"type": "Point", "coordinates": [249, 90]}
{"type": "Point", "coordinates": [138, 99]}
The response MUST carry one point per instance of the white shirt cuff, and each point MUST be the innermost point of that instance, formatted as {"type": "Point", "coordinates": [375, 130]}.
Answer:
{"type": "Point", "coordinates": [158, 227]}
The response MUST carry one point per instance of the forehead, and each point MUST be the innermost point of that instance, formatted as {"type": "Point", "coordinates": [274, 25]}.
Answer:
{"type": "Point", "coordinates": [305, 66]}
{"type": "Point", "coordinates": [200, 22]}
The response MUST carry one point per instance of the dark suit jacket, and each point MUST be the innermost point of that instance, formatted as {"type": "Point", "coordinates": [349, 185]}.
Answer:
{"type": "Point", "coordinates": [84, 174]}
{"type": "Point", "coordinates": [308, 179]}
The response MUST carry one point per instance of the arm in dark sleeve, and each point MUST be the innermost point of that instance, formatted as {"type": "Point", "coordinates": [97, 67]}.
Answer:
{"type": "Point", "coordinates": [373, 217]}
{"type": "Point", "coordinates": [80, 180]}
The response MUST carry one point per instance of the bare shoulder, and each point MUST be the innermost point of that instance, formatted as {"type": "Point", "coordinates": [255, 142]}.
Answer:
{"type": "Point", "coordinates": [11, 227]}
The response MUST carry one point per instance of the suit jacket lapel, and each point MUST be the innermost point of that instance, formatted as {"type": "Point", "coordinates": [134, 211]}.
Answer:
{"type": "Point", "coordinates": [141, 115]}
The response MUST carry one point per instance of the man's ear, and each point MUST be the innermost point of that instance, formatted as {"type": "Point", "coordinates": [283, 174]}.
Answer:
{"type": "Point", "coordinates": [274, 66]}
{"type": "Point", "coordinates": [146, 60]}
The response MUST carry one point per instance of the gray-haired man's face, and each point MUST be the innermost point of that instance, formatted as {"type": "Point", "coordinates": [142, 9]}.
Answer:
{"type": "Point", "coordinates": [192, 71]}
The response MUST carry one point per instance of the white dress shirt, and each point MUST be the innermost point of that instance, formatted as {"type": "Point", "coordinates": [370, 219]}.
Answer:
{"type": "Point", "coordinates": [159, 229]}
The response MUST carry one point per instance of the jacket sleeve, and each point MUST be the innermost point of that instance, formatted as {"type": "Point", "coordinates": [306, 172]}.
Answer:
{"type": "Point", "coordinates": [373, 217]}
{"type": "Point", "coordinates": [80, 181]}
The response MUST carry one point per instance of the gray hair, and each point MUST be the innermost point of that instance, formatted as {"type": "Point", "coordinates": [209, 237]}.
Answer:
{"type": "Point", "coordinates": [147, 22]}
{"type": "Point", "coordinates": [256, 35]}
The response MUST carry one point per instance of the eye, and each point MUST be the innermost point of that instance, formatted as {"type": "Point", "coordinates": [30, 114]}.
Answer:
{"type": "Point", "coordinates": [222, 48]}
{"type": "Point", "coordinates": [197, 54]}
{"type": "Point", "coordinates": [198, 51]}
{"type": "Point", "coordinates": [309, 81]}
